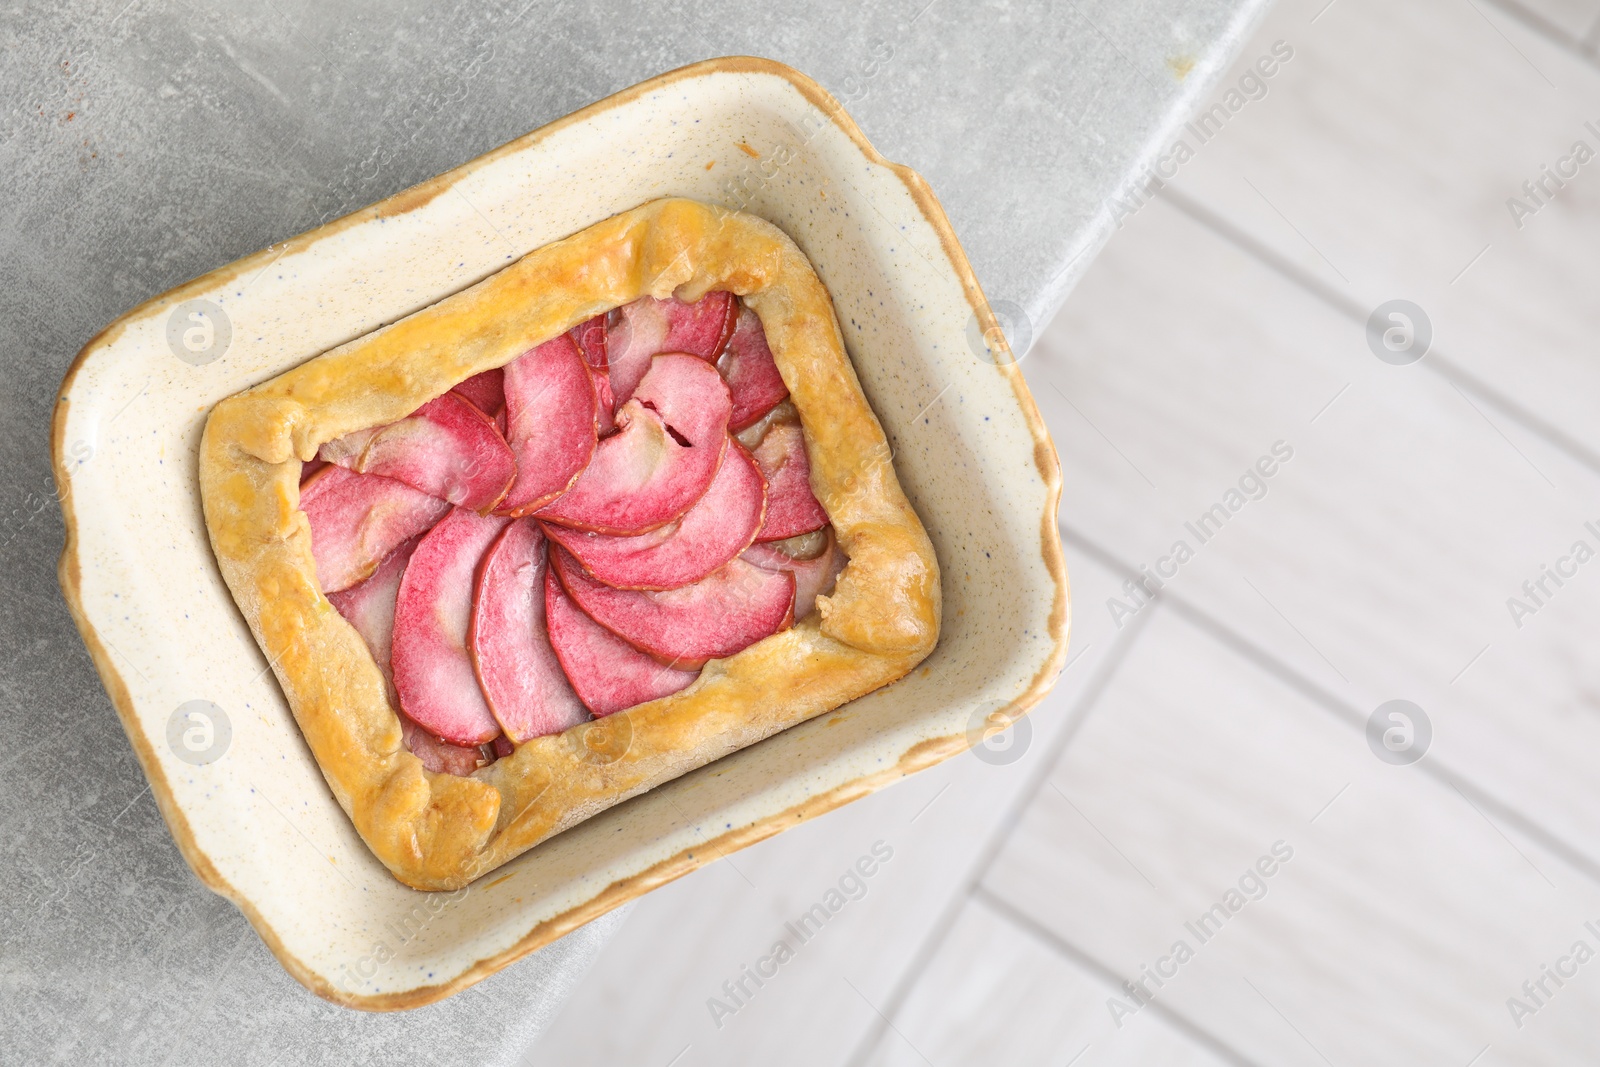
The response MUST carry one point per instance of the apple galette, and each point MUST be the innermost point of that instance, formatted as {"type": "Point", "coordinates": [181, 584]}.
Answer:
{"type": "Point", "coordinates": [614, 512]}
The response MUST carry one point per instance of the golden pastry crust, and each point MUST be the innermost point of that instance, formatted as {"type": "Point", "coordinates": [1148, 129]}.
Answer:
{"type": "Point", "coordinates": [439, 831]}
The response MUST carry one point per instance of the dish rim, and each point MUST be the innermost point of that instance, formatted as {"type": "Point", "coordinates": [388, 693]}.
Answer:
{"type": "Point", "coordinates": [919, 756]}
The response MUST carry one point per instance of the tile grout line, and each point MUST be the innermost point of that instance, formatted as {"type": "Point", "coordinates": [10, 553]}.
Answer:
{"type": "Point", "coordinates": [1434, 361]}
{"type": "Point", "coordinates": [1339, 709]}
{"type": "Point", "coordinates": [1054, 942]}
{"type": "Point", "coordinates": [1544, 29]}
{"type": "Point", "coordinates": [940, 928]}
{"type": "Point", "coordinates": [1487, 21]}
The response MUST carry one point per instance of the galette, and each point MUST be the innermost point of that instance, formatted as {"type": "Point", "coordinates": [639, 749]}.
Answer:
{"type": "Point", "coordinates": [614, 512]}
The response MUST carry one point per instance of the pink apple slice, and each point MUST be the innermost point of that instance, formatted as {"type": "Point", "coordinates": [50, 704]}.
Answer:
{"type": "Point", "coordinates": [447, 448]}
{"type": "Point", "coordinates": [632, 339]}
{"type": "Point", "coordinates": [720, 525]}
{"type": "Point", "coordinates": [751, 373]}
{"type": "Point", "coordinates": [608, 673]}
{"type": "Point", "coordinates": [432, 668]}
{"type": "Point", "coordinates": [310, 467]}
{"type": "Point", "coordinates": [674, 433]}
{"type": "Point", "coordinates": [486, 391]}
{"type": "Point", "coordinates": [438, 756]}
{"type": "Point", "coordinates": [358, 519]}
{"type": "Point", "coordinates": [551, 415]}
{"type": "Point", "coordinates": [813, 575]}
{"type": "Point", "coordinates": [369, 607]}
{"type": "Point", "coordinates": [510, 646]}
{"type": "Point", "coordinates": [730, 610]}
{"type": "Point", "coordinates": [648, 327]}
{"type": "Point", "coordinates": [791, 507]}
{"type": "Point", "coordinates": [591, 339]}
{"type": "Point", "coordinates": [703, 327]}
{"type": "Point", "coordinates": [605, 422]}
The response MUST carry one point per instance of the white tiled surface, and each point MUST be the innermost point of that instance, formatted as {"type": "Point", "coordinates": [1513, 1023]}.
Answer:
{"type": "Point", "coordinates": [1226, 316]}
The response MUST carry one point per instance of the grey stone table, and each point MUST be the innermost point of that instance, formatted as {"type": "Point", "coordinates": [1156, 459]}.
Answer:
{"type": "Point", "coordinates": [143, 143]}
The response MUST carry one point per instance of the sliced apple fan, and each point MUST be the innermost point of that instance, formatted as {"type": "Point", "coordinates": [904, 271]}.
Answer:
{"type": "Point", "coordinates": [576, 533]}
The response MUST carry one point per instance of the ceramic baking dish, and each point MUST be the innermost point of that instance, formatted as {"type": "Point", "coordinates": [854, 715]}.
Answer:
{"type": "Point", "coordinates": [239, 789]}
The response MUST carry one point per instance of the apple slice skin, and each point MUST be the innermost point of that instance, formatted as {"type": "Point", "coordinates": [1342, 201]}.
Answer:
{"type": "Point", "coordinates": [517, 670]}
{"type": "Point", "coordinates": [446, 448]}
{"type": "Point", "coordinates": [486, 391]}
{"type": "Point", "coordinates": [357, 520]}
{"type": "Point", "coordinates": [432, 668]}
{"type": "Point", "coordinates": [642, 477]}
{"type": "Point", "coordinates": [791, 507]}
{"type": "Point", "coordinates": [648, 327]}
{"type": "Point", "coordinates": [719, 526]}
{"type": "Point", "coordinates": [591, 340]}
{"type": "Point", "coordinates": [813, 577]}
{"type": "Point", "coordinates": [551, 417]}
{"type": "Point", "coordinates": [751, 373]}
{"type": "Point", "coordinates": [731, 610]}
{"type": "Point", "coordinates": [605, 422]}
{"type": "Point", "coordinates": [609, 674]}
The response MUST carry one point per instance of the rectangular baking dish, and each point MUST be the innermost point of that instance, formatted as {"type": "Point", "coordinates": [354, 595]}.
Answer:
{"type": "Point", "coordinates": [233, 778]}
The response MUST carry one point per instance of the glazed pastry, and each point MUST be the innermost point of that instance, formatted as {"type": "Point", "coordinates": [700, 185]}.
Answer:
{"type": "Point", "coordinates": [596, 586]}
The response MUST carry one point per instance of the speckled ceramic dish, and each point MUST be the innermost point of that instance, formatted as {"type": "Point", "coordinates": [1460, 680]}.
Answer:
{"type": "Point", "coordinates": [226, 763]}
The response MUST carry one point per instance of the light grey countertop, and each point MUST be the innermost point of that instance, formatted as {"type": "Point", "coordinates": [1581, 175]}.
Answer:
{"type": "Point", "coordinates": [144, 143]}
